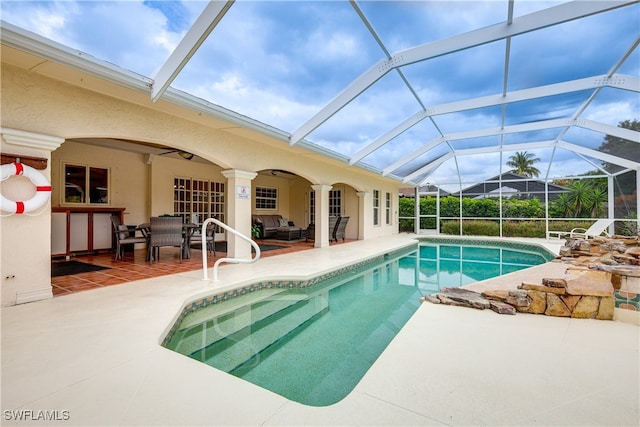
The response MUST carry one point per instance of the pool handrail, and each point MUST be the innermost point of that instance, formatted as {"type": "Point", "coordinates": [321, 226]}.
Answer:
{"type": "Point", "coordinates": [225, 259]}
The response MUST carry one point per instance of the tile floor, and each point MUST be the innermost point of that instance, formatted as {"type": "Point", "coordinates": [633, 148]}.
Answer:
{"type": "Point", "coordinates": [134, 267]}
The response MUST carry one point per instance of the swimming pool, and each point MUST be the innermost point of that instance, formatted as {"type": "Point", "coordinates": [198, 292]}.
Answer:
{"type": "Point", "coordinates": [312, 341]}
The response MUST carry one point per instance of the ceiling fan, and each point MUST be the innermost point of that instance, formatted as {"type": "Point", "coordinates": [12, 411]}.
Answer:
{"type": "Point", "coordinates": [184, 154]}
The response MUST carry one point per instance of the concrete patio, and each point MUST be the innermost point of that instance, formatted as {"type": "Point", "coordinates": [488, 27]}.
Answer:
{"type": "Point", "coordinates": [93, 358]}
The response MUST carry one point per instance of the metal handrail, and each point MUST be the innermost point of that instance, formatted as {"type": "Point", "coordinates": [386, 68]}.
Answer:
{"type": "Point", "coordinates": [221, 260]}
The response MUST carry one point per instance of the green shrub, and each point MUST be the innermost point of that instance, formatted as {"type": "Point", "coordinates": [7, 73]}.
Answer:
{"type": "Point", "coordinates": [484, 208]}
{"type": "Point", "coordinates": [523, 229]}
{"type": "Point", "coordinates": [471, 228]}
{"type": "Point", "coordinates": [509, 228]}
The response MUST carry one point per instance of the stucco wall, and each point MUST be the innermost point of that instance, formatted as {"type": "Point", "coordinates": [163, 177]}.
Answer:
{"type": "Point", "coordinates": [25, 246]}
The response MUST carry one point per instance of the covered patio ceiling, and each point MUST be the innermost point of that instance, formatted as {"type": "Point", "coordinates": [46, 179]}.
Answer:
{"type": "Point", "coordinates": [425, 92]}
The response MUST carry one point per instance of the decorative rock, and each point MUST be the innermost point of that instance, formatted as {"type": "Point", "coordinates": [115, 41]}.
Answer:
{"type": "Point", "coordinates": [518, 293]}
{"type": "Point", "coordinates": [496, 294]}
{"type": "Point", "coordinates": [633, 251]}
{"type": "Point", "coordinates": [616, 281]}
{"type": "Point", "coordinates": [502, 308]}
{"type": "Point", "coordinates": [554, 283]}
{"type": "Point", "coordinates": [555, 307]}
{"type": "Point", "coordinates": [448, 301]}
{"type": "Point", "coordinates": [464, 297]}
{"type": "Point", "coordinates": [606, 308]}
{"type": "Point", "coordinates": [593, 283]}
{"type": "Point", "coordinates": [619, 247]}
{"type": "Point", "coordinates": [538, 303]}
{"type": "Point", "coordinates": [518, 301]}
{"type": "Point", "coordinates": [570, 300]}
{"type": "Point", "coordinates": [541, 288]}
{"type": "Point", "coordinates": [586, 308]}
{"type": "Point", "coordinates": [431, 298]}
{"type": "Point", "coordinates": [623, 258]}
{"type": "Point", "coordinates": [584, 246]}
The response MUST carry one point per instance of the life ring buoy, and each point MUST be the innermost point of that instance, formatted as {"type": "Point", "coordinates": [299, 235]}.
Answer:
{"type": "Point", "coordinates": [43, 189]}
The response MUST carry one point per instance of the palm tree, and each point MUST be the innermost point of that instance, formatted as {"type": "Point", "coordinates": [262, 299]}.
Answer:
{"type": "Point", "coordinates": [597, 202]}
{"type": "Point", "coordinates": [563, 204]}
{"type": "Point", "coordinates": [522, 164]}
{"type": "Point", "coordinates": [580, 195]}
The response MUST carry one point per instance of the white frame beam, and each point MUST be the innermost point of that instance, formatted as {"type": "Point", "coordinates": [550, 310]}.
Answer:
{"type": "Point", "coordinates": [213, 12]}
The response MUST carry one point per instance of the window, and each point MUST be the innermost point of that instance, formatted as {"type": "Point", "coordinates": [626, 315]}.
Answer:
{"type": "Point", "coordinates": [86, 185]}
{"type": "Point", "coordinates": [197, 200]}
{"type": "Point", "coordinates": [266, 198]}
{"type": "Point", "coordinates": [335, 203]}
{"type": "Point", "coordinates": [312, 207]}
{"type": "Point", "coordinates": [388, 208]}
{"type": "Point", "coordinates": [376, 207]}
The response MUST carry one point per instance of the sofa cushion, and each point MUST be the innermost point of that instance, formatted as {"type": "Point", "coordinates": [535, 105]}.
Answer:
{"type": "Point", "coordinates": [267, 222]}
{"type": "Point", "coordinates": [284, 222]}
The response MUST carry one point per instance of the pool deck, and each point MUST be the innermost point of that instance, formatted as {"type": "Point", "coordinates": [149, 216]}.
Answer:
{"type": "Point", "coordinates": [95, 356]}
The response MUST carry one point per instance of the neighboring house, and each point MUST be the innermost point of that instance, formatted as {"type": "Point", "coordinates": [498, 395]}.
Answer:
{"type": "Point", "coordinates": [430, 190]}
{"type": "Point", "coordinates": [513, 185]}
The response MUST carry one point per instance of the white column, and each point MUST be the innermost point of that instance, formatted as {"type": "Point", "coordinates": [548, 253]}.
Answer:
{"type": "Point", "coordinates": [25, 249]}
{"type": "Point", "coordinates": [611, 204]}
{"type": "Point", "coordinates": [239, 205]}
{"type": "Point", "coordinates": [416, 210]}
{"type": "Point", "coordinates": [366, 210]}
{"type": "Point", "coordinates": [322, 215]}
{"type": "Point", "coordinates": [637, 198]}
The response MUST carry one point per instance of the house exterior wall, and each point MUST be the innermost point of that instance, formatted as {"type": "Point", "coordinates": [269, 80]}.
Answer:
{"type": "Point", "coordinates": [34, 103]}
{"type": "Point", "coordinates": [25, 243]}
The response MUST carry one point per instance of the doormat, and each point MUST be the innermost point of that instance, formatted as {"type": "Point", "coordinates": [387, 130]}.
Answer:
{"type": "Point", "coordinates": [222, 247]}
{"type": "Point", "coordinates": [68, 268]}
{"type": "Point", "coordinates": [265, 248]}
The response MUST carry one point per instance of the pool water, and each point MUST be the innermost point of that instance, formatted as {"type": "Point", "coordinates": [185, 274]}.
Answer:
{"type": "Point", "coordinates": [313, 344]}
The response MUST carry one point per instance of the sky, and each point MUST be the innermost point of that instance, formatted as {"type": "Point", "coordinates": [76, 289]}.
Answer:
{"type": "Point", "coordinates": [282, 62]}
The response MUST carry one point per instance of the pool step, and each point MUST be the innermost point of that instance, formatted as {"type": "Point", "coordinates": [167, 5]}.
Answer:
{"type": "Point", "coordinates": [221, 308]}
{"type": "Point", "coordinates": [212, 330]}
{"type": "Point", "coordinates": [220, 320]}
{"type": "Point", "coordinates": [244, 347]}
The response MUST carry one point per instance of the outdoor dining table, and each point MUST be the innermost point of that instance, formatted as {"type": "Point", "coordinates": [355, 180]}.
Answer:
{"type": "Point", "coordinates": [188, 229]}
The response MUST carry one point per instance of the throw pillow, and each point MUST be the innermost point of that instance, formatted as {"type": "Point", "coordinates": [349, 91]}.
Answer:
{"type": "Point", "coordinates": [284, 222]}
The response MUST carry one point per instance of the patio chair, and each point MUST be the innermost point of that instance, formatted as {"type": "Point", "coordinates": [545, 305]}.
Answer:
{"type": "Point", "coordinates": [125, 235]}
{"type": "Point", "coordinates": [597, 229]}
{"type": "Point", "coordinates": [165, 231]}
{"type": "Point", "coordinates": [333, 223]}
{"type": "Point", "coordinates": [196, 238]}
{"type": "Point", "coordinates": [339, 231]}
{"type": "Point", "coordinates": [310, 233]}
